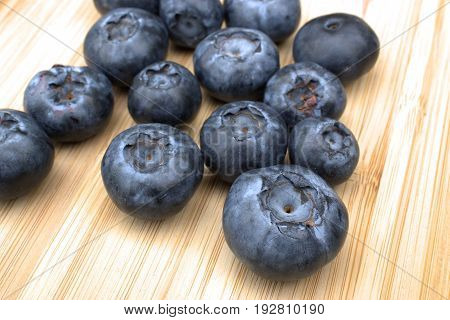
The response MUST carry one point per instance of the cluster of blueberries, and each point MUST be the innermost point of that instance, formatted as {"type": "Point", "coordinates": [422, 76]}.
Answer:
{"type": "Point", "coordinates": [283, 221]}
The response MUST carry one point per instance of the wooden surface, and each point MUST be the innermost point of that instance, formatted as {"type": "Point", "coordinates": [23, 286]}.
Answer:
{"type": "Point", "coordinates": [67, 240]}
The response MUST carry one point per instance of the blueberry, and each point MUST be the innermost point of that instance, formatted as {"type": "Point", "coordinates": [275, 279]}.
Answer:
{"type": "Point", "coordinates": [164, 92]}
{"type": "Point", "coordinates": [236, 63]}
{"type": "Point", "coordinates": [284, 222]}
{"type": "Point", "coordinates": [26, 154]}
{"type": "Point", "coordinates": [70, 103]}
{"type": "Point", "coordinates": [152, 170]}
{"type": "Point", "coordinates": [241, 136]}
{"type": "Point", "coordinates": [325, 146]}
{"type": "Point", "coordinates": [342, 43]}
{"type": "Point", "coordinates": [190, 21]}
{"type": "Point", "coordinates": [103, 6]}
{"type": "Point", "coordinates": [125, 41]}
{"type": "Point", "coordinates": [302, 90]}
{"type": "Point", "coordinates": [277, 18]}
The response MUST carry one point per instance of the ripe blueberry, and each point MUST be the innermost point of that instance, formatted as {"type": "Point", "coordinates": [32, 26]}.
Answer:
{"type": "Point", "coordinates": [341, 43]}
{"type": "Point", "coordinates": [284, 222]}
{"type": "Point", "coordinates": [152, 170]}
{"type": "Point", "coordinates": [70, 103]}
{"type": "Point", "coordinates": [190, 21]}
{"type": "Point", "coordinates": [241, 136]}
{"type": "Point", "coordinates": [125, 41]}
{"type": "Point", "coordinates": [104, 6]}
{"type": "Point", "coordinates": [164, 92]}
{"type": "Point", "coordinates": [236, 63]}
{"type": "Point", "coordinates": [303, 90]}
{"type": "Point", "coordinates": [325, 146]}
{"type": "Point", "coordinates": [26, 154]}
{"type": "Point", "coordinates": [276, 18]}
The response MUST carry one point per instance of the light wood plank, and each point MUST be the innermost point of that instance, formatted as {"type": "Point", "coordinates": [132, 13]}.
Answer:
{"type": "Point", "coordinates": [67, 240]}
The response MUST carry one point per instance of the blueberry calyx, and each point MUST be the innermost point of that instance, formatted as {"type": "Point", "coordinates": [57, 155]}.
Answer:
{"type": "Point", "coordinates": [64, 88]}
{"type": "Point", "coordinates": [304, 95]}
{"type": "Point", "coordinates": [188, 23]}
{"type": "Point", "coordinates": [122, 27]}
{"type": "Point", "coordinates": [239, 45]}
{"type": "Point", "coordinates": [8, 124]}
{"type": "Point", "coordinates": [146, 153]}
{"type": "Point", "coordinates": [337, 142]}
{"type": "Point", "coordinates": [332, 25]}
{"type": "Point", "coordinates": [245, 122]}
{"type": "Point", "coordinates": [161, 76]}
{"type": "Point", "coordinates": [7, 121]}
{"type": "Point", "coordinates": [294, 204]}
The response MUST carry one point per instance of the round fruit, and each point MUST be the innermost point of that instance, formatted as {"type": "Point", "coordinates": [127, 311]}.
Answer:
{"type": "Point", "coordinates": [241, 136]}
{"type": "Point", "coordinates": [235, 63]}
{"type": "Point", "coordinates": [341, 43]}
{"type": "Point", "coordinates": [284, 222]}
{"type": "Point", "coordinates": [164, 92]}
{"type": "Point", "coordinates": [70, 103]}
{"type": "Point", "coordinates": [151, 171]}
{"type": "Point", "coordinates": [303, 90]}
{"type": "Point", "coordinates": [125, 41]}
{"type": "Point", "coordinates": [325, 146]}
{"type": "Point", "coordinates": [26, 154]}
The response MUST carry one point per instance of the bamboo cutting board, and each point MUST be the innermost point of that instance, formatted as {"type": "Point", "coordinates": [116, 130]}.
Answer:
{"type": "Point", "coordinates": [66, 240]}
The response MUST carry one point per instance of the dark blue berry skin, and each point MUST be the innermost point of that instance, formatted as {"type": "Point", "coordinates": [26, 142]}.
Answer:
{"type": "Point", "coordinates": [164, 92]}
{"type": "Point", "coordinates": [325, 146]}
{"type": "Point", "coordinates": [190, 21]}
{"type": "Point", "coordinates": [284, 222]}
{"type": "Point", "coordinates": [341, 43]}
{"type": "Point", "coordinates": [71, 104]}
{"type": "Point", "coordinates": [125, 41]}
{"type": "Point", "coordinates": [26, 154]}
{"type": "Point", "coordinates": [303, 90]}
{"type": "Point", "coordinates": [242, 136]}
{"type": "Point", "coordinates": [103, 6]}
{"type": "Point", "coordinates": [276, 18]}
{"type": "Point", "coordinates": [152, 170]}
{"type": "Point", "coordinates": [235, 64]}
